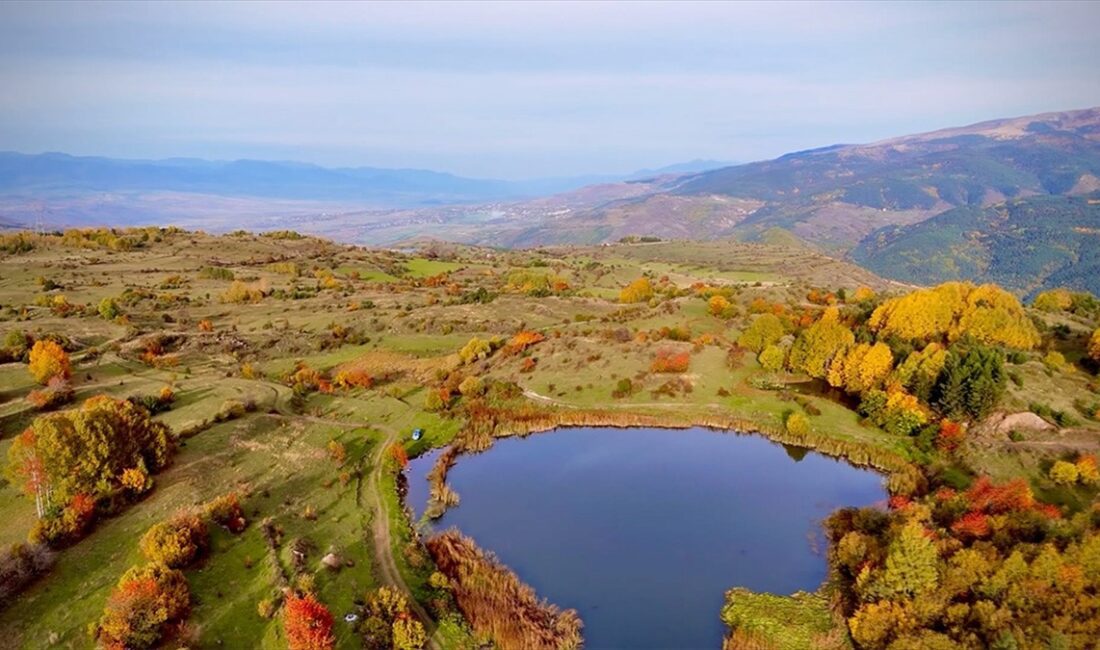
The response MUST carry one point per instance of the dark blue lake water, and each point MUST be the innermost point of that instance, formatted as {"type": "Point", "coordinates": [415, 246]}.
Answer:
{"type": "Point", "coordinates": [643, 530]}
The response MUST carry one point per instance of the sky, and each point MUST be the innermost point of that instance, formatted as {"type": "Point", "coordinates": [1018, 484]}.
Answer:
{"type": "Point", "coordinates": [525, 90]}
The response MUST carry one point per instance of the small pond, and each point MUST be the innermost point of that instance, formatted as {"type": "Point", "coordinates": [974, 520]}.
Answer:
{"type": "Point", "coordinates": [643, 530]}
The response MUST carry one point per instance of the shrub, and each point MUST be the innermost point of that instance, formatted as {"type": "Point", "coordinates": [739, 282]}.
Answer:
{"type": "Point", "coordinates": [1063, 473]}
{"type": "Point", "coordinates": [475, 350]}
{"type": "Point", "coordinates": [58, 391]}
{"type": "Point", "coordinates": [471, 386]}
{"type": "Point", "coordinates": [145, 601]}
{"type": "Point", "coordinates": [20, 564]}
{"type": "Point", "coordinates": [226, 512]}
{"type": "Point", "coordinates": [108, 309]}
{"type": "Point", "coordinates": [668, 361]}
{"type": "Point", "coordinates": [797, 424]}
{"type": "Point", "coordinates": [177, 542]}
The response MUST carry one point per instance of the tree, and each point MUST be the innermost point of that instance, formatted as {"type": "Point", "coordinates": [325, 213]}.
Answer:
{"type": "Point", "coordinates": [911, 564]}
{"type": "Point", "coordinates": [861, 367]}
{"type": "Point", "coordinates": [640, 290]}
{"type": "Point", "coordinates": [1094, 346]}
{"type": "Point", "coordinates": [108, 309]}
{"type": "Point", "coordinates": [177, 542]}
{"type": "Point", "coordinates": [26, 470]}
{"type": "Point", "coordinates": [772, 358]}
{"type": "Point", "coordinates": [972, 382]}
{"type": "Point", "coordinates": [308, 624]}
{"type": "Point", "coordinates": [1064, 473]}
{"type": "Point", "coordinates": [408, 634]}
{"type": "Point", "coordinates": [145, 601]}
{"type": "Point", "coordinates": [718, 305]}
{"type": "Point", "coordinates": [764, 330]}
{"type": "Point", "coordinates": [921, 370]}
{"type": "Point", "coordinates": [954, 310]}
{"type": "Point", "coordinates": [87, 450]}
{"type": "Point", "coordinates": [48, 360]}
{"type": "Point", "coordinates": [475, 350]}
{"type": "Point", "coordinates": [819, 343]}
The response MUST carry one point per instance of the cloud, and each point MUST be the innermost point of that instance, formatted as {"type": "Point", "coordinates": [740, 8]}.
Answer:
{"type": "Point", "coordinates": [509, 89]}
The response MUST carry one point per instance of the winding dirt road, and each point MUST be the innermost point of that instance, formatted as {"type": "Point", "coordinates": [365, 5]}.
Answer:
{"type": "Point", "coordinates": [382, 537]}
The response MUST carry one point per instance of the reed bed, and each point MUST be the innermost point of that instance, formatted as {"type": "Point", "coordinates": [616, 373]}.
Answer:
{"type": "Point", "coordinates": [497, 604]}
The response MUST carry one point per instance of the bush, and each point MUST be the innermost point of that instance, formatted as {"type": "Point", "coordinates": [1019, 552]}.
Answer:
{"type": "Point", "coordinates": [58, 391]}
{"type": "Point", "coordinates": [226, 512]}
{"type": "Point", "coordinates": [20, 564]}
{"type": "Point", "coordinates": [146, 600]}
{"type": "Point", "coordinates": [797, 424]}
{"type": "Point", "coordinates": [668, 361]}
{"type": "Point", "coordinates": [177, 542]}
{"type": "Point", "coordinates": [475, 350]}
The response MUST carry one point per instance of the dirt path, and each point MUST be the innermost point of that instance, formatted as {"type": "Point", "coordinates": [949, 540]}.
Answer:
{"type": "Point", "coordinates": [383, 539]}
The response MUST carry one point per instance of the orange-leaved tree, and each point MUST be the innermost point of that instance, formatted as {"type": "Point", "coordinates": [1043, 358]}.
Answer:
{"type": "Point", "coordinates": [49, 360]}
{"type": "Point", "coordinates": [308, 624]}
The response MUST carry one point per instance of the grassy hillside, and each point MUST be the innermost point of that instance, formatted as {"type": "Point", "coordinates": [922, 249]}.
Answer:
{"type": "Point", "coordinates": [293, 365]}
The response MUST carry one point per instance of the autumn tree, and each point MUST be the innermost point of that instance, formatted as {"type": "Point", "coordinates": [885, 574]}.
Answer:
{"type": "Point", "coordinates": [640, 290]}
{"type": "Point", "coordinates": [860, 367]}
{"type": "Point", "coordinates": [475, 350]}
{"type": "Point", "coordinates": [48, 360]}
{"type": "Point", "coordinates": [145, 601]}
{"type": "Point", "coordinates": [176, 542]}
{"type": "Point", "coordinates": [764, 330]}
{"type": "Point", "coordinates": [1094, 346]}
{"type": "Point", "coordinates": [718, 305]}
{"type": "Point", "coordinates": [911, 564]}
{"type": "Point", "coordinates": [308, 624]}
{"type": "Point", "coordinates": [954, 310]}
{"type": "Point", "coordinates": [25, 469]}
{"type": "Point", "coordinates": [87, 450]}
{"type": "Point", "coordinates": [920, 371]}
{"type": "Point", "coordinates": [819, 343]}
{"type": "Point", "coordinates": [772, 358]}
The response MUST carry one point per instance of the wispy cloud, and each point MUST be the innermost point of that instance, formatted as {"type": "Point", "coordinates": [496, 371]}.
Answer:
{"type": "Point", "coordinates": [525, 89]}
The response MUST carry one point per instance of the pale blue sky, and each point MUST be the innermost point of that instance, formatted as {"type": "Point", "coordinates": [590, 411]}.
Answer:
{"type": "Point", "coordinates": [523, 90]}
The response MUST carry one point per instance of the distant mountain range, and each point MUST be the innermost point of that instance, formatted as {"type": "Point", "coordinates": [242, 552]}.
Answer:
{"type": "Point", "coordinates": [836, 196]}
{"type": "Point", "coordinates": [1011, 200]}
{"type": "Point", "coordinates": [56, 174]}
{"type": "Point", "coordinates": [973, 202]}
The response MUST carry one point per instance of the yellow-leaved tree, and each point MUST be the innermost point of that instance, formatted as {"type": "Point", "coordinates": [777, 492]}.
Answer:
{"type": "Point", "coordinates": [48, 360]}
{"type": "Point", "coordinates": [1094, 346]}
{"type": "Point", "coordinates": [819, 343]}
{"type": "Point", "coordinates": [953, 310]}
{"type": "Point", "coordinates": [640, 290]}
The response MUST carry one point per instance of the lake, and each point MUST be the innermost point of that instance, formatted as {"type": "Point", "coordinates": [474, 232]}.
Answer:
{"type": "Point", "coordinates": [643, 530]}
